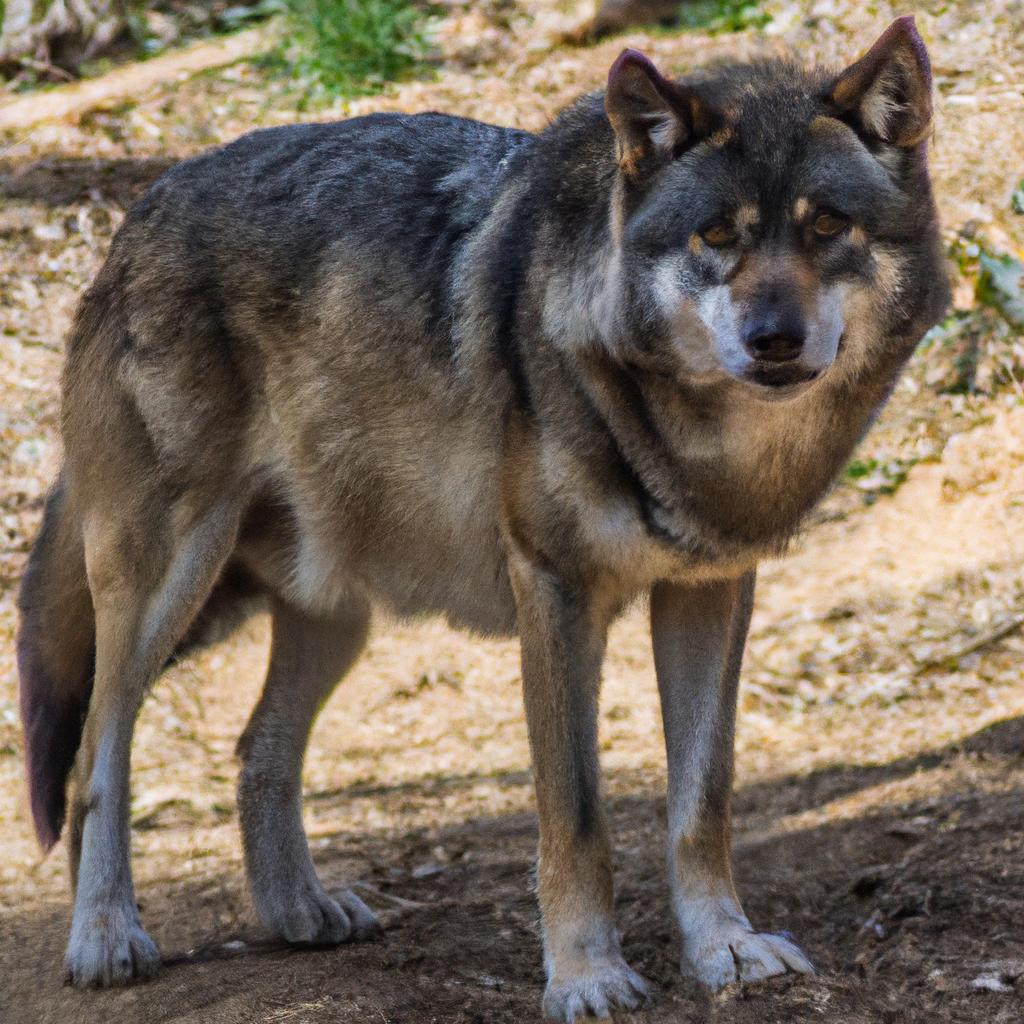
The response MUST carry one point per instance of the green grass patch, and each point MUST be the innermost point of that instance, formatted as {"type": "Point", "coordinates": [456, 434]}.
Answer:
{"type": "Point", "coordinates": [1017, 199]}
{"type": "Point", "coordinates": [341, 48]}
{"type": "Point", "coordinates": [874, 477]}
{"type": "Point", "coordinates": [722, 15]}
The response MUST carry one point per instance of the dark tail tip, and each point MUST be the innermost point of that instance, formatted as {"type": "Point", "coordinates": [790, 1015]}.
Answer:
{"type": "Point", "coordinates": [53, 731]}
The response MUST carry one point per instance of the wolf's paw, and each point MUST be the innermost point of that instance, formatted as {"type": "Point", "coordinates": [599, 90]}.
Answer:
{"type": "Point", "coordinates": [364, 921]}
{"type": "Point", "coordinates": [109, 948]}
{"type": "Point", "coordinates": [735, 952]}
{"type": "Point", "coordinates": [312, 918]}
{"type": "Point", "coordinates": [597, 991]}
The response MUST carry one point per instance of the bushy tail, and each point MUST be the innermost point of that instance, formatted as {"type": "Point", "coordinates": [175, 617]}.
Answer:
{"type": "Point", "coordinates": [56, 654]}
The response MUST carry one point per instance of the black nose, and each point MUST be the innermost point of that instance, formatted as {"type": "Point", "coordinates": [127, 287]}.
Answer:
{"type": "Point", "coordinates": [774, 330]}
{"type": "Point", "coordinates": [775, 346]}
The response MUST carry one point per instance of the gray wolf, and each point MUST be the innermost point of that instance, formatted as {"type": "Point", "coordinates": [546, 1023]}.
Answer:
{"type": "Point", "coordinates": [438, 366]}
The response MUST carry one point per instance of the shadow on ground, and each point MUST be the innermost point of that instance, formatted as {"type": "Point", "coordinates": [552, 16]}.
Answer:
{"type": "Point", "coordinates": [61, 181]}
{"type": "Point", "coordinates": [903, 903]}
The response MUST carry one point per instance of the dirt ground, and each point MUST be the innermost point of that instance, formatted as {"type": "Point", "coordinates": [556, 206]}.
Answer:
{"type": "Point", "coordinates": [880, 786]}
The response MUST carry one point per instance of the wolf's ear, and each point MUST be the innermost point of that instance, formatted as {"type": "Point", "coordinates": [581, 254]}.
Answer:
{"type": "Point", "coordinates": [654, 119]}
{"type": "Point", "coordinates": [887, 94]}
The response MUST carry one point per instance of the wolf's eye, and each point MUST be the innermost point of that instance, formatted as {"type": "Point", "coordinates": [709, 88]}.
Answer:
{"type": "Point", "coordinates": [829, 224]}
{"type": "Point", "coordinates": [718, 235]}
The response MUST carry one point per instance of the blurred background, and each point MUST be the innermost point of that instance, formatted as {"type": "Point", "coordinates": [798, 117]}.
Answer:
{"type": "Point", "coordinates": [880, 788]}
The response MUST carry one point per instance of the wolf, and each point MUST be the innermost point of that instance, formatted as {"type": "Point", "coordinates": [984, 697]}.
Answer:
{"type": "Point", "coordinates": [430, 365]}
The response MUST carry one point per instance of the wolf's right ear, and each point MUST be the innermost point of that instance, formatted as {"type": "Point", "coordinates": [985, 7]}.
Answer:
{"type": "Point", "coordinates": [654, 119]}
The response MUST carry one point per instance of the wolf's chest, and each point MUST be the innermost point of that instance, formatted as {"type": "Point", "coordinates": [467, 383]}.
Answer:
{"type": "Point", "coordinates": [730, 504]}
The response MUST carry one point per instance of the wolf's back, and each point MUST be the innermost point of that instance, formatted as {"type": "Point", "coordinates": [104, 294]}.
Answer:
{"type": "Point", "coordinates": [225, 258]}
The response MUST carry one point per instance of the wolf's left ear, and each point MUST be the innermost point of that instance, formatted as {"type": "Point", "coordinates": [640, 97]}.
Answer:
{"type": "Point", "coordinates": [887, 94]}
{"type": "Point", "coordinates": [654, 119]}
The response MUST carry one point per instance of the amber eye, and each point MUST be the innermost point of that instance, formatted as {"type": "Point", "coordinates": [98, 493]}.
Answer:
{"type": "Point", "coordinates": [718, 235]}
{"type": "Point", "coordinates": [828, 224]}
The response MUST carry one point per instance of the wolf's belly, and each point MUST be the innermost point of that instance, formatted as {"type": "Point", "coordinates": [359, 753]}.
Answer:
{"type": "Point", "coordinates": [467, 585]}
{"type": "Point", "coordinates": [412, 553]}
{"type": "Point", "coordinates": [474, 597]}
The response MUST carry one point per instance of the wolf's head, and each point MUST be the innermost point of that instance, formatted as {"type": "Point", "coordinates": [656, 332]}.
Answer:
{"type": "Point", "coordinates": [771, 225]}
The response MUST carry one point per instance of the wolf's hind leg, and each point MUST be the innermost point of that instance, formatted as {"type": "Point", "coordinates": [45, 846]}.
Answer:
{"type": "Point", "coordinates": [309, 655]}
{"type": "Point", "coordinates": [149, 572]}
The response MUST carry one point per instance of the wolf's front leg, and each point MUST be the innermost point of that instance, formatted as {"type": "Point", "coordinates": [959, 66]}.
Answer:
{"type": "Point", "coordinates": [562, 647]}
{"type": "Point", "coordinates": [698, 634]}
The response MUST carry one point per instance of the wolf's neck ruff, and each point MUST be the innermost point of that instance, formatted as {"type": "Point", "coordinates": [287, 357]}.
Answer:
{"type": "Point", "coordinates": [620, 282]}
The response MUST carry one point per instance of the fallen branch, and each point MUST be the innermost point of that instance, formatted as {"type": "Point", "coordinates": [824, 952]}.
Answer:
{"type": "Point", "coordinates": [986, 639]}
{"type": "Point", "coordinates": [397, 900]}
{"type": "Point", "coordinates": [46, 68]}
{"type": "Point", "coordinates": [129, 82]}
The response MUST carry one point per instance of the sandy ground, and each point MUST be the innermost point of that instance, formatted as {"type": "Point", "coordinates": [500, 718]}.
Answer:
{"type": "Point", "coordinates": [880, 789]}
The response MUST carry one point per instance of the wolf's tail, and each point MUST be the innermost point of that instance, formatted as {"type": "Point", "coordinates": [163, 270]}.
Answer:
{"type": "Point", "coordinates": [56, 645]}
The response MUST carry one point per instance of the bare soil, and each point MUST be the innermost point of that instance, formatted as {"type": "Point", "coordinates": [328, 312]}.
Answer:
{"type": "Point", "coordinates": [880, 784]}
{"type": "Point", "coordinates": [906, 907]}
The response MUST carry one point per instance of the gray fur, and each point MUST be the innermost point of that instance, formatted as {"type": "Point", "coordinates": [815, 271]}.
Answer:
{"type": "Point", "coordinates": [437, 366]}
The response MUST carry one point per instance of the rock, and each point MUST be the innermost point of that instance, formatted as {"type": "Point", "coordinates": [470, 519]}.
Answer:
{"type": "Point", "coordinates": [427, 870]}
{"type": "Point", "coordinates": [991, 981]}
{"type": "Point", "coordinates": [51, 232]}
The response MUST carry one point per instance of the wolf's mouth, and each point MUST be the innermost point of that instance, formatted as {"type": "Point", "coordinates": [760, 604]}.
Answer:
{"type": "Point", "coordinates": [781, 377]}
